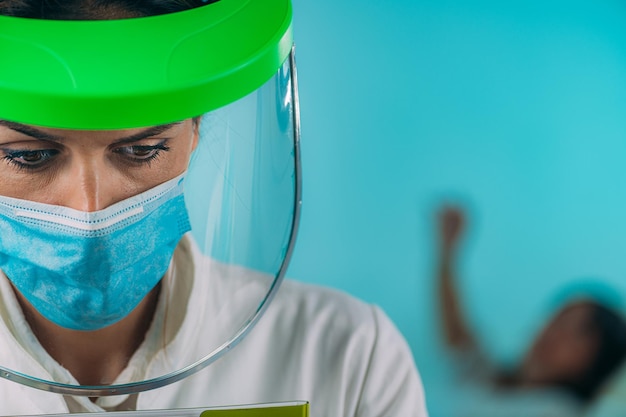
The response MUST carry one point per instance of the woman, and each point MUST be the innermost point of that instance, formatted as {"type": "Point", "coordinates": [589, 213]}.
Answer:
{"type": "Point", "coordinates": [107, 300]}
{"type": "Point", "coordinates": [566, 365]}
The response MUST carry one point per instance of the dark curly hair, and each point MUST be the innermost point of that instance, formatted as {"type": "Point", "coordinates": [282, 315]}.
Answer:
{"type": "Point", "coordinates": [610, 329]}
{"type": "Point", "coordinates": [95, 9]}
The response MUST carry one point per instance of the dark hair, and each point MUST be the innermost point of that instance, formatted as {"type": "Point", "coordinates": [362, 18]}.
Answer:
{"type": "Point", "coordinates": [610, 329]}
{"type": "Point", "coordinates": [94, 9]}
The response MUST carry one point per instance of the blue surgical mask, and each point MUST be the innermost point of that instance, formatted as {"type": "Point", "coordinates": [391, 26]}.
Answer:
{"type": "Point", "coordinates": [88, 270]}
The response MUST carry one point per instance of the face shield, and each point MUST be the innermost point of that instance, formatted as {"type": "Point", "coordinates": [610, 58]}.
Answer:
{"type": "Point", "coordinates": [226, 69]}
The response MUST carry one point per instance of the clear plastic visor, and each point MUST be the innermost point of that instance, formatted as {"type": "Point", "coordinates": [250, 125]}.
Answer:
{"type": "Point", "coordinates": [242, 196]}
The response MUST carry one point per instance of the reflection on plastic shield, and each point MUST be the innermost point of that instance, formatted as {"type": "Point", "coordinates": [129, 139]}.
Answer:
{"type": "Point", "coordinates": [241, 186]}
{"type": "Point", "coordinates": [241, 193]}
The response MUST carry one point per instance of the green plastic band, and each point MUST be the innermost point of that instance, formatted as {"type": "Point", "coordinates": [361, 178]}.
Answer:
{"type": "Point", "coordinates": [115, 74]}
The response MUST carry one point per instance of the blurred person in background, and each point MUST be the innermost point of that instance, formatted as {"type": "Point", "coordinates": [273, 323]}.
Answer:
{"type": "Point", "coordinates": [562, 372]}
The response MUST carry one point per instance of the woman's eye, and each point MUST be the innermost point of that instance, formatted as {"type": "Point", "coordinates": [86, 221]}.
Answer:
{"type": "Point", "coordinates": [29, 158]}
{"type": "Point", "coordinates": [142, 153]}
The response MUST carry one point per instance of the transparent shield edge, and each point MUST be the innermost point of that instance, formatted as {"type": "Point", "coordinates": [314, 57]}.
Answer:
{"type": "Point", "coordinates": [146, 385]}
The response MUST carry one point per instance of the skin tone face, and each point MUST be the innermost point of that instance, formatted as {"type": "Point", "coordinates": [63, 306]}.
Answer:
{"type": "Point", "coordinates": [89, 171]}
{"type": "Point", "coordinates": [564, 349]}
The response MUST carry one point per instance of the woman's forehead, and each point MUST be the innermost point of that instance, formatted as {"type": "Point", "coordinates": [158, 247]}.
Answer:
{"type": "Point", "coordinates": [580, 310]}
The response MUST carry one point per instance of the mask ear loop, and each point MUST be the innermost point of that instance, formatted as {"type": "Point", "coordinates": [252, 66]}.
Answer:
{"type": "Point", "coordinates": [135, 387]}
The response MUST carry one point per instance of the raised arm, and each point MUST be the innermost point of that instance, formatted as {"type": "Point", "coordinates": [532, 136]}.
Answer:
{"type": "Point", "coordinates": [456, 331]}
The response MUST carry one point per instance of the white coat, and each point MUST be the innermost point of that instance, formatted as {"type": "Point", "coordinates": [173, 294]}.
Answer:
{"type": "Point", "coordinates": [343, 356]}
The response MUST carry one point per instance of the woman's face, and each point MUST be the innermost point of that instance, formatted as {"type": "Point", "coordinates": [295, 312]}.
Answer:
{"type": "Point", "coordinates": [566, 347]}
{"type": "Point", "coordinates": [91, 170]}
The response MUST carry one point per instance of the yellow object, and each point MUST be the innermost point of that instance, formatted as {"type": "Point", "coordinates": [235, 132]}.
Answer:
{"type": "Point", "coordinates": [300, 409]}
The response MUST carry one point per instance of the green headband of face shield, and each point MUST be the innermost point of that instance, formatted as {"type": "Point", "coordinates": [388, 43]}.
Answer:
{"type": "Point", "coordinates": [115, 74]}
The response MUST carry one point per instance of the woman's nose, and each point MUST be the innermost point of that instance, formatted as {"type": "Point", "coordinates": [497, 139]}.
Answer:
{"type": "Point", "coordinates": [90, 188]}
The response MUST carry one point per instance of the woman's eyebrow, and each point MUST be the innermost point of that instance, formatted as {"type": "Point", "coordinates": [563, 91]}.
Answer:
{"type": "Point", "coordinates": [149, 132]}
{"type": "Point", "coordinates": [38, 134]}
{"type": "Point", "coordinates": [30, 131]}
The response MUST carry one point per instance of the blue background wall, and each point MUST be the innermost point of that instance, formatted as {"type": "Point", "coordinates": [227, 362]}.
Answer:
{"type": "Point", "coordinates": [515, 109]}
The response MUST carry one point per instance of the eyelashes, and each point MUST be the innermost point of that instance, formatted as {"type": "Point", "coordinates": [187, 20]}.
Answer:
{"type": "Point", "coordinates": [41, 158]}
{"type": "Point", "coordinates": [142, 154]}
{"type": "Point", "coordinates": [29, 159]}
